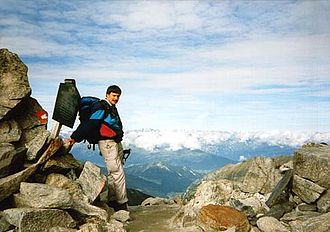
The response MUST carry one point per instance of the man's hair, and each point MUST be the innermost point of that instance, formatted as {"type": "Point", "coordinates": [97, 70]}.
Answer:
{"type": "Point", "coordinates": [114, 89]}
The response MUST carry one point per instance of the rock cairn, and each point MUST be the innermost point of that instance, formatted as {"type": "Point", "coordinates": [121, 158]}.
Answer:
{"type": "Point", "coordinates": [286, 193]}
{"type": "Point", "coordinates": [43, 187]}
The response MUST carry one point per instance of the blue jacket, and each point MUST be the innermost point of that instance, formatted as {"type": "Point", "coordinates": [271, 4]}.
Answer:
{"type": "Point", "coordinates": [103, 113]}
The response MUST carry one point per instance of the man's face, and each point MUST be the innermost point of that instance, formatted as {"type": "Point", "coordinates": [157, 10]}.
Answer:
{"type": "Point", "coordinates": [113, 98]}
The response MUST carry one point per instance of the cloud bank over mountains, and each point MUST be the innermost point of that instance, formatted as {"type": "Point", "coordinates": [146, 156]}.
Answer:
{"type": "Point", "coordinates": [174, 140]}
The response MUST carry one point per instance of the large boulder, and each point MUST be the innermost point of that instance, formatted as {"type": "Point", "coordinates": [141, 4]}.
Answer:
{"type": "Point", "coordinates": [312, 162]}
{"type": "Point", "coordinates": [255, 175]}
{"type": "Point", "coordinates": [14, 84]}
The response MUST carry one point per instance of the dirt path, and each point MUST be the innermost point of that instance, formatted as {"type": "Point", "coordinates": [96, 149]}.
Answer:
{"type": "Point", "coordinates": [151, 218]}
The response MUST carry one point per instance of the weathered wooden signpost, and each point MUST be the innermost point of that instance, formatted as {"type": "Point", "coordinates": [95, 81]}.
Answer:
{"type": "Point", "coordinates": [66, 106]}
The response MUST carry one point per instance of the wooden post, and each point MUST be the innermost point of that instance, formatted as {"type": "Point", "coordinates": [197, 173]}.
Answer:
{"type": "Point", "coordinates": [55, 129]}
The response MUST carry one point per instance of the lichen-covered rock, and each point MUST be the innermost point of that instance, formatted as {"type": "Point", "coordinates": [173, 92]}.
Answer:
{"type": "Point", "coordinates": [219, 218]}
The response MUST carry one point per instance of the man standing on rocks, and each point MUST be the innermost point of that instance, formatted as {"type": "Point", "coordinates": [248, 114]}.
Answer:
{"type": "Point", "coordinates": [109, 136]}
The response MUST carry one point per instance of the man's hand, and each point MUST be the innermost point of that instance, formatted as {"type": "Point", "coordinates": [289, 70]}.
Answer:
{"type": "Point", "coordinates": [69, 141]}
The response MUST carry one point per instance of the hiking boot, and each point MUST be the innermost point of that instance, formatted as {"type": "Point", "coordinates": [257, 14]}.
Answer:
{"type": "Point", "coordinates": [113, 204]}
{"type": "Point", "coordinates": [116, 206]}
{"type": "Point", "coordinates": [123, 206]}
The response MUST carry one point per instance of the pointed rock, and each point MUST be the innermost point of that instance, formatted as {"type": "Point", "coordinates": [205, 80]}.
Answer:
{"type": "Point", "coordinates": [91, 180]}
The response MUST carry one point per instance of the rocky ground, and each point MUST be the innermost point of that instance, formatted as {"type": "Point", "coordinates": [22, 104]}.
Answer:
{"type": "Point", "coordinates": [152, 218]}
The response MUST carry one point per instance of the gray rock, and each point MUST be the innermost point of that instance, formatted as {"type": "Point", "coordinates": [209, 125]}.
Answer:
{"type": "Point", "coordinates": [279, 188]}
{"type": "Point", "coordinates": [6, 153]}
{"type": "Point", "coordinates": [61, 164]}
{"type": "Point", "coordinates": [63, 182]}
{"type": "Point", "coordinates": [270, 224]}
{"type": "Point", "coordinates": [153, 201]}
{"type": "Point", "coordinates": [313, 163]}
{"type": "Point", "coordinates": [319, 224]}
{"type": "Point", "coordinates": [277, 211]}
{"type": "Point", "coordinates": [35, 195]}
{"type": "Point", "coordinates": [121, 215]}
{"type": "Point", "coordinates": [323, 203]}
{"type": "Point", "coordinates": [34, 115]}
{"type": "Point", "coordinates": [14, 215]}
{"type": "Point", "coordinates": [11, 161]}
{"type": "Point", "coordinates": [306, 190]}
{"type": "Point", "coordinates": [34, 140]}
{"type": "Point", "coordinates": [61, 229]}
{"type": "Point", "coordinates": [306, 207]}
{"type": "Point", "coordinates": [91, 180]}
{"type": "Point", "coordinates": [87, 209]}
{"type": "Point", "coordinates": [9, 131]}
{"type": "Point", "coordinates": [111, 226]}
{"type": "Point", "coordinates": [10, 184]}
{"type": "Point", "coordinates": [14, 84]}
{"type": "Point", "coordinates": [5, 225]}
{"type": "Point", "coordinates": [252, 176]}
{"type": "Point", "coordinates": [250, 206]}
{"type": "Point", "coordinates": [299, 216]}
{"type": "Point", "coordinates": [38, 219]}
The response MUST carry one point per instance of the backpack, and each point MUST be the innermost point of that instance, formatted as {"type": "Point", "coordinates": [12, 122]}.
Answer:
{"type": "Point", "coordinates": [87, 106]}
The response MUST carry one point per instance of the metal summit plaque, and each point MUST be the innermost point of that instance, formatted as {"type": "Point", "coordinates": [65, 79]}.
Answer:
{"type": "Point", "coordinates": [66, 105]}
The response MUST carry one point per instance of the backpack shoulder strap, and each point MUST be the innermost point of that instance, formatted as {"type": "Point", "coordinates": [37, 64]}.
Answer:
{"type": "Point", "coordinates": [106, 107]}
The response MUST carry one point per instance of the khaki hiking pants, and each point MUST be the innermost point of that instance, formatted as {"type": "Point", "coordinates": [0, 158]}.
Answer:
{"type": "Point", "coordinates": [112, 153]}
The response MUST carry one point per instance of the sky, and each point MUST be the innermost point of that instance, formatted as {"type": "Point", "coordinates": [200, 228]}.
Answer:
{"type": "Point", "coordinates": [182, 65]}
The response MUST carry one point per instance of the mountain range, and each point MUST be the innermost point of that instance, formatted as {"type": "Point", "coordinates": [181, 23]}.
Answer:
{"type": "Point", "coordinates": [162, 162]}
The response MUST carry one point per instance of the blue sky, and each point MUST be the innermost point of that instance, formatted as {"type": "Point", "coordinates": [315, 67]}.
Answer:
{"type": "Point", "coordinates": [203, 65]}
